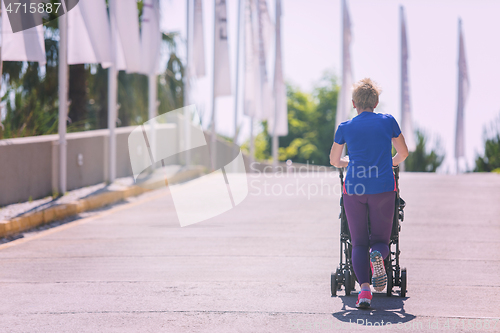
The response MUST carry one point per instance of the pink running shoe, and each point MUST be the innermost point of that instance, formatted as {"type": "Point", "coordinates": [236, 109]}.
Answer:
{"type": "Point", "coordinates": [364, 299]}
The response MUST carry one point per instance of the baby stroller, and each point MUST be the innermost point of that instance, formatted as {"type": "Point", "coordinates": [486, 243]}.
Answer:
{"type": "Point", "coordinates": [396, 277]}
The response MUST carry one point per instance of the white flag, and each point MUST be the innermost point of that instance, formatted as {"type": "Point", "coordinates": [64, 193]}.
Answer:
{"type": "Point", "coordinates": [150, 37]}
{"type": "Point", "coordinates": [406, 121]}
{"type": "Point", "coordinates": [264, 104]}
{"type": "Point", "coordinates": [198, 40]}
{"type": "Point", "coordinates": [89, 39]}
{"type": "Point", "coordinates": [26, 45]}
{"type": "Point", "coordinates": [258, 99]}
{"type": "Point", "coordinates": [344, 101]}
{"type": "Point", "coordinates": [280, 102]}
{"type": "Point", "coordinates": [251, 60]}
{"type": "Point", "coordinates": [463, 92]}
{"type": "Point", "coordinates": [266, 25]}
{"type": "Point", "coordinates": [222, 84]}
{"type": "Point", "coordinates": [126, 28]}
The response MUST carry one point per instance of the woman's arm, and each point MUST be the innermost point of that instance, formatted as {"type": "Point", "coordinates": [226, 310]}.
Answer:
{"type": "Point", "coordinates": [401, 148]}
{"type": "Point", "coordinates": [335, 155]}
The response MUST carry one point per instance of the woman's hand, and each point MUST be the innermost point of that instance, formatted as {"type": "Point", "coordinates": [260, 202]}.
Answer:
{"type": "Point", "coordinates": [401, 148]}
{"type": "Point", "coordinates": [335, 156]}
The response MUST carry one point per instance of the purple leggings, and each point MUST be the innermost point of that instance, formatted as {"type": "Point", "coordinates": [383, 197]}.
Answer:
{"type": "Point", "coordinates": [381, 209]}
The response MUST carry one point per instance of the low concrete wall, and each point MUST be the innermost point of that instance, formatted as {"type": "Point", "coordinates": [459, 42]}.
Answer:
{"type": "Point", "coordinates": [25, 168]}
{"type": "Point", "coordinates": [29, 166]}
{"type": "Point", "coordinates": [88, 148]}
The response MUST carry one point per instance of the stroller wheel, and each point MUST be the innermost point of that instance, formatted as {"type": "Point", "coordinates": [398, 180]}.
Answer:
{"type": "Point", "coordinates": [333, 284]}
{"type": "Point", "coordinates": [403, 282]}
{"type": "Point", "coordinates": [390, 280]}
{"type": "Point", "coordinates": [347, 276]}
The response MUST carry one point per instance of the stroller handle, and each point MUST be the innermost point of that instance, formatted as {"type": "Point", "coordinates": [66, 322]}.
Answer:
{"type": "Point", "coordinates": [395, 169]}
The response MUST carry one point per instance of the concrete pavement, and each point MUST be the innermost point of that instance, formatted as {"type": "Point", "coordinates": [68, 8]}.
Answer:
{"type": "Point", "coordinates": [262, 267]}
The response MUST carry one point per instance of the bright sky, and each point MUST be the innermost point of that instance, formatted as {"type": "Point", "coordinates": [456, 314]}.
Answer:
{"type": "Point", "coordinates": [311, 45]}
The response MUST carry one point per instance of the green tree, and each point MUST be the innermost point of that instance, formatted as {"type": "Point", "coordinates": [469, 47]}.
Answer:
{"type": "Point", "coordinates": [311, 128]}
{"type": "Point", "coordinates": [171, 93]}
{"type": "Point", "coordinates": [311, 125]}
{"type": "Point", "coordinates": [133, 91]}
{"type": "Point", "coordinates": [421, 160]}
{"type": "Point", "coordinates": [98, 98]}
{"type": "Point", "coordinates": [78, 94]}
{"type": "Point", "coordinates": [326, 93]}
{"type": "Point", "coordinates": [490, 161]}
{"type": "Point", "coordinates": [32, 91]}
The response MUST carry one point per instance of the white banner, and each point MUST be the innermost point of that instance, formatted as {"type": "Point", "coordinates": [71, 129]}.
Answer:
{"type": "Point", "coordinates": [463, 92]}
{"type": "Point", "coordinates": [258, 93]}
{"type": "Point", "coordinates": [222, 80]}
{"type": "Point", "coordinates": [265, 104]}
{"type": "Point", "coordinates": [126, 19]}
{"type": "Point", "coordinates": [251, 60]}
{"type": "Point", "coordinates": [280, 101]}
{"type": "Point", "coordinates": [150, 37]}
{"type": "Point", "coordinates": [89, 39]}
{"type": "Point", "coordinates": [406, 119]}
{"type": "Point", "coordinates": [344, 102]}
{"type": "Point", "coordinates": [198, 40]}
{"type": "Point", "coordinates": [267, 26]}
{"type": "Point", "coordinates": [26, 45]}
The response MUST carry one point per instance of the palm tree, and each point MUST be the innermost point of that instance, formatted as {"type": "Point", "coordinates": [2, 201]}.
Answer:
{"type": "Point", "coordinates": [490, 161]}
{"type": "Point", "coordinates": [422, 161]}
{"type": "Point", "coordinates": [32, 91]}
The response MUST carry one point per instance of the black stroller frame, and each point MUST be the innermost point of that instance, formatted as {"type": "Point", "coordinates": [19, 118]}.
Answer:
{"type": "Point", "coordinates": [396, 276]}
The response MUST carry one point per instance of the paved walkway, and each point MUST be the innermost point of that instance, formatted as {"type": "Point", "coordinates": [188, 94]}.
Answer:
{"type": "Point", "coordinates": [261, 267]}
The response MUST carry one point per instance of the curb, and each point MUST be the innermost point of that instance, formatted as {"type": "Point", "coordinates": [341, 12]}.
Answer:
{"type": "Point", "coordinates": [59, 212]}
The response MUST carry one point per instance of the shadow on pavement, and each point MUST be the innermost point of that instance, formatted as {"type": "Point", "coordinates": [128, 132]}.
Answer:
{"type": "Point", "coordinates": [57, 223]}
{"type": "Point", "coordinates": [383, 310]}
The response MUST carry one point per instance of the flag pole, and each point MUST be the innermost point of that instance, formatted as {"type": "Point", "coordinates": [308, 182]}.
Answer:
{"type": "Point", "coordinates": [153, 95]}
{"type": "Point", "coordinates": [152, 105]}
{"type": "Point", "coordinates": [342, 105]}
{"type": "Point", "coordinates": [2, 128]}
{"type": "Point", "coordinates": [275, 143]}
{"type": "Point", "coordinates": [459, 90]}
{"type": "Point", "coordinates": [213, 138]}
{"type": "Point", "coordinates": [237, 76]}
{"type": "Point", "coordinates": [457, 157]}
{"type": "Point", "coordinates": [252, 141]}
{"type": "Point", "coordinates": [112, 97]}
{"type": "Point", "coordinates": [245, 106]}
{"type": "Point", "coordinates": [187, 116]}
{"type": "Point", "coordinates": [462, 74]}
{"type": "Point", "coordinates": [63, 100]}
{"type": "Point", "coordinates": [401, 78]}
{"type": "Point", "coordinates": [275, 127]}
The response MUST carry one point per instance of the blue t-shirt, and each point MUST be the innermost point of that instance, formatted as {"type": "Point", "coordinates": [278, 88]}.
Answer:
{"type": "Point", "coordinates": [368, 137]}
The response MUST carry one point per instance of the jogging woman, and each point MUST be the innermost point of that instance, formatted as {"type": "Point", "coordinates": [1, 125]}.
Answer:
{"type": "Point", "coordinates": [369, 186]}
